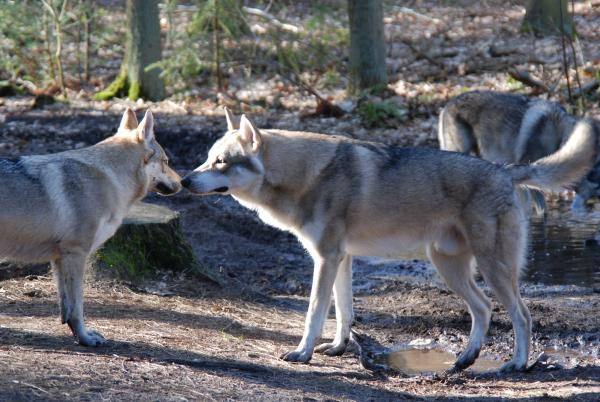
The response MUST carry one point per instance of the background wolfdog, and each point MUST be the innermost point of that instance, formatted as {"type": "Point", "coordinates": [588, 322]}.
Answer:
{"type": "Point", "coordinates": [507, 128]}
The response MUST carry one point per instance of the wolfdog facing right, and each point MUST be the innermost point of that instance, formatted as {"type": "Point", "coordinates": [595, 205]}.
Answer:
{"type": "Point", "coordinates": [508, 128]}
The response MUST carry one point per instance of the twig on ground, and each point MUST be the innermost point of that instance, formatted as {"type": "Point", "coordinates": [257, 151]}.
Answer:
{"type": "Point", "coordinates": [31, 386]}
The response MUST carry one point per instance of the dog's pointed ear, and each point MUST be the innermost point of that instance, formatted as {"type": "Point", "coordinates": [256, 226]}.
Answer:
{"type": "Point", "coordinates": [232, 122]}
{"type": "Point", "coordinates": [249, 134]}
{"type": "Point", "coordinates": [128, 121]}
{"type": "Point", "coordinates": [146, 128]}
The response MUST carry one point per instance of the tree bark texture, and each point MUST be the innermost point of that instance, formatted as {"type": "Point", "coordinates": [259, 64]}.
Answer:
{"type": "Point", "coordinates": [142, 48]}
{"type": "Point", "coordinates": [367, 45]}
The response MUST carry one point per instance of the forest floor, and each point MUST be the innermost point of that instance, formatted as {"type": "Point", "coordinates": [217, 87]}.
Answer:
{"type": "Point", "coordinates": [179, 338]}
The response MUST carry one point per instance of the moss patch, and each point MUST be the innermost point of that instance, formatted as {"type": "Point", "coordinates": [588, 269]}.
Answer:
{"type": "Point", "coordinates": [134, 91]}
{"type": "Point", "coordinates": [150, 241]}
{"type": "Point", "coordinates": [117, 88]}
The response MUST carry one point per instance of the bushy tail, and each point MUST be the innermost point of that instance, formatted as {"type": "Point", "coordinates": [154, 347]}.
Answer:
{"type": "Point", "coordinates": [566, 166]}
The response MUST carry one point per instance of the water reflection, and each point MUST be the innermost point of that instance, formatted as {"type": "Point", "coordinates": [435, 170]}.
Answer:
{"type": "Point", "coordinates": [418, 361]}
{"type": "Point", "coordinates": [563, 249]}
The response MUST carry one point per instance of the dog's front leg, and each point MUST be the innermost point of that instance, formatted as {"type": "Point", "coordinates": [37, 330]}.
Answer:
{"type": "Point", "coordinates": [344, 315]}
{"type": "Point", "coordinates": [71, 271]}
{"type": "Point", "coordinates": [63, 295]}
{"type": "Point", "coordinates": [320, 299]}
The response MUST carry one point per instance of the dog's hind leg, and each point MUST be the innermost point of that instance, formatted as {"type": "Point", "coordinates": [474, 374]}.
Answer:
{"type": "Point", "coordinates": [505, 285]}
{"type": "Point", "coordinates": [500, 267]}
{"type": "Point", "coordinates": [458, 275]}
{"type": "Point", "coordinates": [344, 315]}
{"type": "Point", "coordinates": [71, 271]}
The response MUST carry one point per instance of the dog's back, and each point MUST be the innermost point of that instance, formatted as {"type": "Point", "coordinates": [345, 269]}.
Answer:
{"type": "Point", "coordinates": [503, 128]}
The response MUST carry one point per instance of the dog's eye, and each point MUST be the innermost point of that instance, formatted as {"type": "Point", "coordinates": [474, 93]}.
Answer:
{"type": "Point", "coordinates": [220, 160]}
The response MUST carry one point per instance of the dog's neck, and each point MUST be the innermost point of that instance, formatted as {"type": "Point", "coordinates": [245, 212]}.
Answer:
{"type": "Point", "coordinates": [291, 168]}
{"type": "Point", "coordinates": [125, 159]}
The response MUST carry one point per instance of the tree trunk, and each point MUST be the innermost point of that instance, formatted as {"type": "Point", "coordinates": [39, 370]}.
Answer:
{"type": "Point", "coordinates": [142, 48]}
{"type": "Point", "coordinates": [367, 45]}
{"type": "Point", "coordinates": [543, 17]}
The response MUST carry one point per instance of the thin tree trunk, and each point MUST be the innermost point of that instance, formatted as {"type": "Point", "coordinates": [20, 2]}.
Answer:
{"type": "Point", "coordinates": [49, 46]}
{"type": "Point", "coordinates": [217, 47]}
{"type": "Point", "coordinates": [87, 28]}
{"type": "Point", "coordinates": [57, 17]}
{"type": "Point", "coordinates": [367, 45]}
{"type": "Point", "coordinates": [61, 75]}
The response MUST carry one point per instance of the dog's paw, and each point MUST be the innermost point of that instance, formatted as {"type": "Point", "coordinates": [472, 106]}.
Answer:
{"type": "Point", "coordinates": [296, 356]}
{"type": "Point", "coordinates": [91, 338]}
{"type": "Point", "coordinates": [332, 349]}
{"type": "Point", "coordinates": [512, 367]}
{"type": "Point", "coordinates": [455, 369]}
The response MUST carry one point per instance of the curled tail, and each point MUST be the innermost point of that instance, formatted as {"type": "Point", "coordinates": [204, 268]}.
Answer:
{"type": "Point", "coordinates": [568, 165]}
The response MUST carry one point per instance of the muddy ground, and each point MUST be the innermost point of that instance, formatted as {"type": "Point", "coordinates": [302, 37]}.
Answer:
{"type": "Point", "coordinates": [178, 338]}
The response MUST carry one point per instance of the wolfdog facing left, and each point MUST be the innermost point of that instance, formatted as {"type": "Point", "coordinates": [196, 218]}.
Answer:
{"type": "Point", "coordinates": [343, 198]}
{"type": "Point", "coordinates": [61, 207]}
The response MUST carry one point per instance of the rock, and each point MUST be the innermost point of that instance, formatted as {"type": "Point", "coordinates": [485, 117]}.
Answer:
{"type": "Point", "coordinates": [148, 242]}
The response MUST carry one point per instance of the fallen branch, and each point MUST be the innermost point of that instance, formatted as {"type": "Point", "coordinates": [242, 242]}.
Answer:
{"type": "Point", "coordinates": [527, 79]}
{"type": "Point", "coordinates": [410, 11]}
{"type": "Point", "coordinates": [274, 21]}
{"type": "Point", "coordinates": [422, 55]}
{"type": "Point", "coordinates": [585, 89]}
{"type": "Point", "coordinates": [499, 51]}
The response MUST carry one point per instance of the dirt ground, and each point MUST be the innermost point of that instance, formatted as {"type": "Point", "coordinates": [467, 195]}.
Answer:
{"type": "Point", "coordinates": [178, 338]}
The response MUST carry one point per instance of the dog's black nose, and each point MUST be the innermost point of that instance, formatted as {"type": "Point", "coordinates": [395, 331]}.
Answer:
{"type": "Point", "coordinates": [186, 182]}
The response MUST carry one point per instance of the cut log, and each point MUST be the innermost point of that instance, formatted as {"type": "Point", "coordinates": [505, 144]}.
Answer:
{"type": "Point", "coordinates": [148, 242]}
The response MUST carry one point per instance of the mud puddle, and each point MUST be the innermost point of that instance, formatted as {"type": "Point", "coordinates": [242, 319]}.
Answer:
{"type": "Point", "coordinates": [414, 361]}
{"type": "Point", "coordinates": [565, 248]}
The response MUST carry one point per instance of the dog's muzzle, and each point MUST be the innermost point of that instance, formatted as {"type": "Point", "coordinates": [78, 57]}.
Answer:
{"type": "Point", "coordinates": [188, 183]}
{"type": "Point", "coordinates": [164, 189]}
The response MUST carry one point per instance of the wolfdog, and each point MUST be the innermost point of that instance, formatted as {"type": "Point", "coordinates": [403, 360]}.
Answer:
{"type": "Point", "coordinates": [344, 198]}
{"type": "Point", "coordinates": [507, 128]}
{"type": "Point", "coordinates": [61, 207]}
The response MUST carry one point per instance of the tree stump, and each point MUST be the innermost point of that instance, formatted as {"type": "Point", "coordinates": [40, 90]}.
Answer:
{"type": "Point", "coordinates": [148, 242]}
